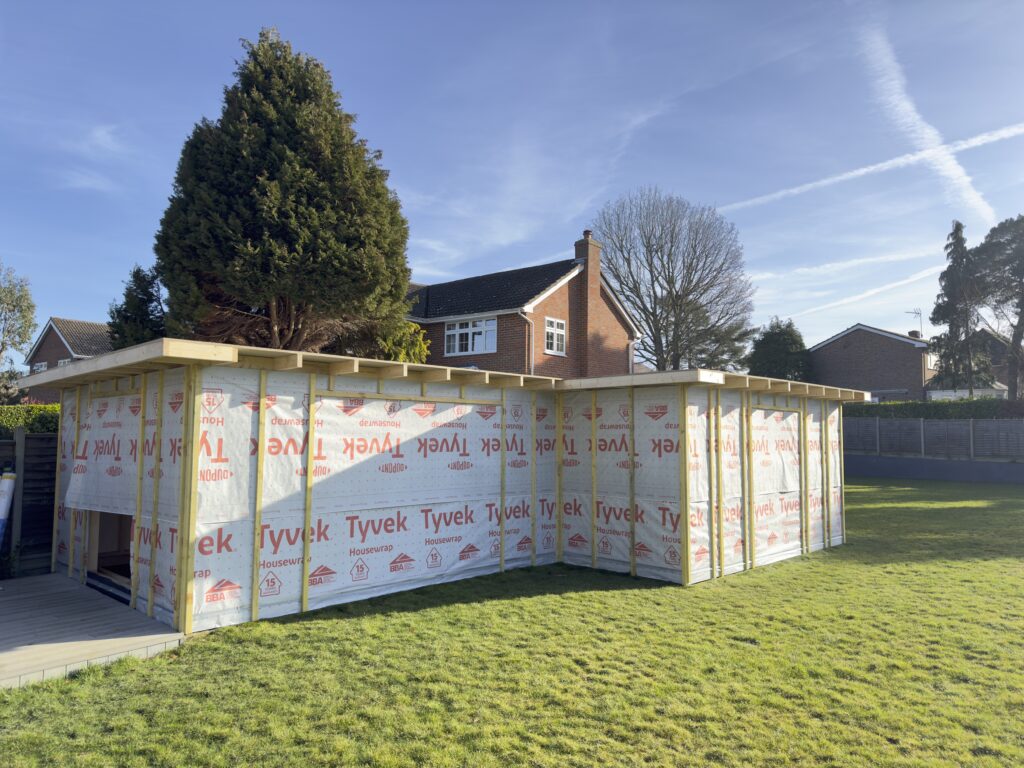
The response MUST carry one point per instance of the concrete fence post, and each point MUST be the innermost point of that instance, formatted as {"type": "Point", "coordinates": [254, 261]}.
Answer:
{"type": "Point", "coordinates": [922, 437]}
{"type": "Point", "coordinates": [970, 441]}
{"type": "Point", "coordinates": [878, 436]}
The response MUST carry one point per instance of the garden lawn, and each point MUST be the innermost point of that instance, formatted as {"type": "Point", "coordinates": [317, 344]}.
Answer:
{"type": "Point", "coordinates": [904, 647]}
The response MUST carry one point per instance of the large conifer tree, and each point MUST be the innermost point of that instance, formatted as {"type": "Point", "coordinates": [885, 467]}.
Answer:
{"type": "Point", "coordinates": [281, 230]}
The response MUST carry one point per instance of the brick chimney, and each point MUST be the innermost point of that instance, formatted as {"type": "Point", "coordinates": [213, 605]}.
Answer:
{"type": "Point", "coordinates": [588, 250]}
{"type": "Point", "coordinates": [914, 334]}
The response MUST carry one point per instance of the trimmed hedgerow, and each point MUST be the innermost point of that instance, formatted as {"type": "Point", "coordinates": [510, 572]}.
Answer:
{"type": "Point", "coordinates": [34, 418]}
{"type": "Point", "coordinates": [984, 408]}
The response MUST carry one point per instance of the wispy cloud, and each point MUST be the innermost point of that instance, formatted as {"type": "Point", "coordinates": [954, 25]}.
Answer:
{"type": "Point", "coordinates": [85, 179]}
{"type": "Point", "coordinates": [921, 275]}
{"type": "Point", "coordinates": [835, 268]}
{"type": "Point", "coordinates": [97, 142]}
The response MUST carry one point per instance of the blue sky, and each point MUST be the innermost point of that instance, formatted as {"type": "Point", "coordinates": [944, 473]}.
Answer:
{"type": "Point", "coordinates": [840, 138]}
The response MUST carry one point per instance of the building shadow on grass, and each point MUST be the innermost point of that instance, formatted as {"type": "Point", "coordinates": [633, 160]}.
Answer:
{"type": "Point", "coordinates": [516, 584]}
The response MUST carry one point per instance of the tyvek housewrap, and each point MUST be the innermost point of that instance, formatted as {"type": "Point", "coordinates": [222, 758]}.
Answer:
{"type": "Point", "coordinates": [406, 490]}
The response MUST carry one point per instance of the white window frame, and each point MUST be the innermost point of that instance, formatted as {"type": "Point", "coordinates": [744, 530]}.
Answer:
{"type": "Point", "coordinates": [65, 361]}
{"type": "Point", "coordinates": [551, 325]}
{"type": "Point", "coordinates": [476, 336]}
{"type": "Point", "coordinates": [40, 366]}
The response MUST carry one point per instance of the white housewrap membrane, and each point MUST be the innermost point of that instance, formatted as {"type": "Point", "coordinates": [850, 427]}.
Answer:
{"type": "Point", "coordinates": [281, 491]}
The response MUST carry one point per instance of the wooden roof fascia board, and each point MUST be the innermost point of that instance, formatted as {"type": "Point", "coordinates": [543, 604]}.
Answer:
{"type": "Point", "coordinates": [342, 367]}
{"type": "Point", "coordinates": [290, 361]}
{"type": "Point", "coordinates": [736, 381]}
{"type": "Point", "coordinates": [389, 371]}
{"type": "Point", "coordinates": [540, 384]}
{"type": "Point", "coordinates": [469, 376]}
{"type": "Point", "coordinates": [432, 374]}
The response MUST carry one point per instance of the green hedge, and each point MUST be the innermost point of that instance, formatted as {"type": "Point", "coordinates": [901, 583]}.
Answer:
{"type": "Point", "coordinates": [34, 418]}
{"type": "Point", "coordinates": [985, 408]}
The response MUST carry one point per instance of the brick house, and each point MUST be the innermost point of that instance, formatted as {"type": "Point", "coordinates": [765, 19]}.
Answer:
{"type": "Point", "coordinates": [892, 366]}
{"type": "Point", "coordinates": [61, 342]}
{"type": "Point", "coordinates": [561, 319]}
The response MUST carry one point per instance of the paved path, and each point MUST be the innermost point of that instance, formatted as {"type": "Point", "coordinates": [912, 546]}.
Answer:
{"type": "Point", "coordinates": [51, 626]}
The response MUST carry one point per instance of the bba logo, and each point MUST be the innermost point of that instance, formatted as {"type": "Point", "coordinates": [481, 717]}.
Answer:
{"type": "Point", "coordinates": [305, 403]}
{"type": "Point", "coordinates": [655, 412]}
{"type": "Point", "coordinates": [359, 571]}
{"type": "Point", "coordinates": [351, 405]}
{"type": "Point", "coordinates": [158, 586]}
{"type": "Point", "coordinates": [175, 401]}
{"type": "Point", "coordinates": [642, 551]}
{"type": "Point", "coordinates": [223, 591]}
{"type": "Point", "coordinates": [672, 556]}
{"type": "Point", "coordinates": [401, 563]}
{"type": "Point", "coordinates": [434, 558]}
{"type": "Point", "coordinates": [212, 399]}
{"type": "Point", "coordinates": [486, 412]}
{"type": "Point", "coordinates": [542, 413]}
{"type": "Point", "coordinates": [322, 575]}
{"type": "Point", "coordinates": [270, 586]}
{"type": "Point", "coordinates": [738, 546]}
{"type": "Point", "coordinates": [423, 410]}
{"type": "Point", "coordinates": [524, 544]}
{"type": "Point", "coordinates": [468, 552]}
{"type": "Point", "coordinates": [589, 415]}
{"type": "Point", "coordinates": [578, 541]}
{"type": "Point", "coordinates": [135, 406]}
{"type": "Point", "coordinates": [102, 408]}
{"type": "Point", "coordinates": [700, 554]}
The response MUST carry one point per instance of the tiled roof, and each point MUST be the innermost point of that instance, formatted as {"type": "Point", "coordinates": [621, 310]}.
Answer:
{"type": "Point", "coordinates": [85, 338]}
{"type": "Point", "coordinates": [497, 291]}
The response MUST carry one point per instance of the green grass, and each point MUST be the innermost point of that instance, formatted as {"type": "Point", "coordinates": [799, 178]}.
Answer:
{"type": "Point", "coordinates": [905, 647]}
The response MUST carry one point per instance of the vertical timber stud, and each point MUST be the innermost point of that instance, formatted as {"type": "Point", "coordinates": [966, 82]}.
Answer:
{"type": "Point", "coordinates": [533, 478]}
{"type": "Point", "coordinates": [502, 500]}
{"type": "Point", "coordinates": [593, 478]}
{"type": "Point", "coordinates": [712, 513]}
{"type": "Point", "coordinates": [804, 480]}
{"type": "Point", "coordinates": [179, 584]}
{"type": "Point", "coordinates": [826, 490]}
{"type": "Point", "coordinates": [188, 536]}
{"type": "Point", "coordinates": [748, 463]}
{"type": "Point", "coordinates": [684, 484]}
{"type": "Point", "coordinates": [257, 512]}
{"type": "Point", "coordinates": [842, 470]}
{"type": "Point", "coordinates": [310, 471]}
{"type": "Point", "coordinates": [632, 481]}
{"type": "Point", "coordinates": [140, 460]}
{"type": "Point", "coordinates": [559, 437]}
{"type": "Point", "coordinates": [85, 524]}
{"type": "Point", "coordinates": [157, 472]}
{"type": "Point", "coordinates": [74, 457]}
{"type": "Point", "coordinates": [719, 489]}
{"type": "Point", "coordinates": [56, 485]}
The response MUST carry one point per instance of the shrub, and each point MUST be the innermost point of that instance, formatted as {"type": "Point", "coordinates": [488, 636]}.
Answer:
{"type": "Point", "coordinates": [984, 408]}
{"type": "Point", "coordinates": [34, 418]}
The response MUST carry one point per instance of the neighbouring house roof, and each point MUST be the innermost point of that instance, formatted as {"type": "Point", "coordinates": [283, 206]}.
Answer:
{"type": "Point", "coordinates": [83, 338]}
{"type": "Point", "coordinates": [919, 343]}
{"type": "Point", "coordinates": [496, 292]}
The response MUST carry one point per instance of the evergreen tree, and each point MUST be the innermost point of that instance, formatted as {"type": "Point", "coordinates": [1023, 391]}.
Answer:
{"type": "Point", "coordinates": [1000, 260]}
{"type": "Point", "coordinates": [281, 230]}
{"type": "Point", "coordinates": [958, 305]}
{"type": "Point", "coordinates": [780, 353]}
{"type": "Point", "coordinates": [140, 315]}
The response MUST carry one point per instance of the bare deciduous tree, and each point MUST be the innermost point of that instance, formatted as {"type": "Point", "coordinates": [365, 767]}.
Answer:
{"type": "Point", "coordinates": [678, 267]}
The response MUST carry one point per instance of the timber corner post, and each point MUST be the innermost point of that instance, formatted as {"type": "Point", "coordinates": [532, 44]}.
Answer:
{"type": "Point", "coordinates": [190, 461]}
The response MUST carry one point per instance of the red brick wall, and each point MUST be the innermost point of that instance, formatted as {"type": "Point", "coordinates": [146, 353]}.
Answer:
{"type": "Point", "coordinates": [865, 360]}
{"type": "Point", "coordinates": [512, 347]}
{"type": "Point", "coordinates": [51, 350]}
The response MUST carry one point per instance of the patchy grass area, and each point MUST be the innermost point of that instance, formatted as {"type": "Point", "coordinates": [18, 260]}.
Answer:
{"type": "Point", "coordinates": [905, 647]}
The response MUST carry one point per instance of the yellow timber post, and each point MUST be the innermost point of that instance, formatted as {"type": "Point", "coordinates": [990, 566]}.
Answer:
{"type": "Point", "coordinates": [502, 499]}
{"type": "Point", "coordinates": [748, 472]}
{"type": "Point", "coordinates": [842, 473]}
{"type": "Point", "coordinates": [533, 478]}
{"type": "Point", "coordinates": [188, 535]}
{"type": "Point", "coordinates": [140, 460]}
{"type": "Point", "coordinates": [559, 438]}
{"type": "Point", "coordinates": [157, 472]}
{"type": "Point", "coordinates": [719, 485]}
{"type": "Point", "coordinates": [826, 477]}
{"type": "Point", "coordinates": [56, 485]}
{"type": "Point", "coordinates": [712, 515]}
{"type": "Point", "coordinates": [310, 471]}
{"type": "Point", "coordinates": [805, 466]}
{"type": "Point", "coordinates": [632, 481]}
{"type": "Point", "coordinates": [684, 485]}
{"type": "Point", "coordinates": [593, 478]}
{"type": "Point", "coordinates": [70, 511]}
{"type": "Point", "coordinates": [257, 513]}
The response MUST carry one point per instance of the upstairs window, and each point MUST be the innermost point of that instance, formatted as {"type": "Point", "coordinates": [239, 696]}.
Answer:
{"type": "Point", "coordinates": [554, 336]}
{"type": "Point", "coordinates": [39, 367]}
{"type": "Point", "coordinates": [65, 361]}
{"type": "Point", "coordinates": [471, 337]}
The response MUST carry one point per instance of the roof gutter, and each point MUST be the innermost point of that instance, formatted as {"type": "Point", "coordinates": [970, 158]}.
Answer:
{"type": "Point", "coordinates": [530, 323]}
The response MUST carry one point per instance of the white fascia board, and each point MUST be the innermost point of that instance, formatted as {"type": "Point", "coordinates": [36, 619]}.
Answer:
{"type": "Point", "coordinates": [455, 318]}
{"type": "Point", "coordinates": [39, 340]}
{"type": "Point", "coordinates": [531, 305]}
